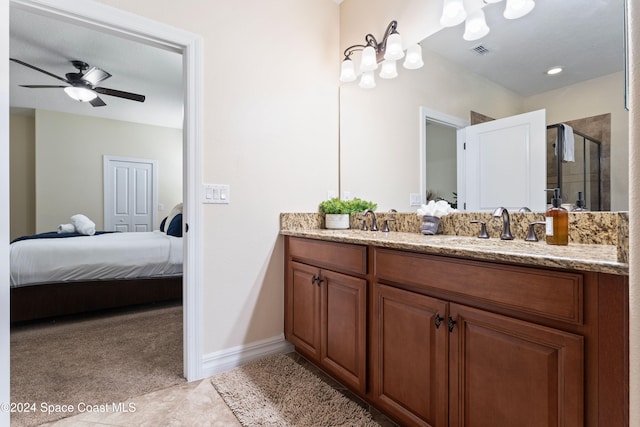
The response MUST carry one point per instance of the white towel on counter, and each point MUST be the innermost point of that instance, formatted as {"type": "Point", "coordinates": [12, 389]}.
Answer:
{"type": "Point", "coordinates": [83, 225]}
{"type": "Point", "coordinates": [568, 146]}
{"type": "Point", "coordinates": [66, 228]}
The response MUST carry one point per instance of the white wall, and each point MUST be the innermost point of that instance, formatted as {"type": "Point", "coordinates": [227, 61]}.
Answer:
{"type": "Point", "coordinates": [591, 98]}
{"type": "Point", "coordinates": [270, 132]}
{"type": "Point", "coordinates": [69, 155]}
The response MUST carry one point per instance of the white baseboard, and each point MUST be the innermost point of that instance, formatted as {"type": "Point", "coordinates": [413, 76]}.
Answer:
{"type": "Point", "coordinates": [230, 358]}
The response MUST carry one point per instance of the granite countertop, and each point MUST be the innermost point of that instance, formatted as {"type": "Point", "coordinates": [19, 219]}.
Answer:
{"type": "Point", "coordinates": [585, 257]}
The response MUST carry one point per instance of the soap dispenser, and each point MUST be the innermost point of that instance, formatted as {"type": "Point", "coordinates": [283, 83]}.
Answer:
{"type": "Point", "coordinates": [557, 221]}
{"type": "Point", "coordinates": [580, 205]}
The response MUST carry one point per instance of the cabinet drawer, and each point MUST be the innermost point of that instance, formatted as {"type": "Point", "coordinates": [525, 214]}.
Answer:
{"type": "Point", "coordinates": [331, 255]}
{"type": "Point", "coordinates": [551, 294]}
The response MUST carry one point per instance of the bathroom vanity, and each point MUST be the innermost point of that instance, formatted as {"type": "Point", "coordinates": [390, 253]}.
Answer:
{"type": "Point", "coordinates": [453, 330]}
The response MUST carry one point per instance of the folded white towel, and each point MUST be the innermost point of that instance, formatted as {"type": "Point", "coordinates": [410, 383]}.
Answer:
{"type": "Point", "coordinates": [66, 228]}
{"type": "Point", "coordinates": [83, 225]}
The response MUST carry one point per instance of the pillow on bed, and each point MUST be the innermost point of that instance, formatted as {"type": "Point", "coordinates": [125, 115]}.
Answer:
{"type": "Point", "coordinates": [163, 223]}
{"type": "Point", "coordinates": [177, 209]}
{"type": "Point", "coordinates": [175, 228]}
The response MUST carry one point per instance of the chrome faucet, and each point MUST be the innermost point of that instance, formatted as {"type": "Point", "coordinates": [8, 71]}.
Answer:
{"type": "Point", "coordinates": [506, 228]}
{"type": "Point", "coordinates": [374, 223]}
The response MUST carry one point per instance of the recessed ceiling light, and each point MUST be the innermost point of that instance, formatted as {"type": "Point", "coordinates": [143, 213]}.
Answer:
{"type": "Point", "coordinates": [554, 70]}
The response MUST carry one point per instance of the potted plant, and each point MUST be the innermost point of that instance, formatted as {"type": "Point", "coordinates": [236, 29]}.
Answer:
{"type": "Point", "coordinates": [337, 212]}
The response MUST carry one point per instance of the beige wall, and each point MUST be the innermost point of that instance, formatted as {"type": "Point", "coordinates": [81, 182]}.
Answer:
{"type": "Point", "coordinates": [22, 175]}
{"type": "Point", "coordinates": [69, 173]}
{"type": "Point", "coordinates": [591, 98]}
{"type": "Point", "coordinates": [269, 131]}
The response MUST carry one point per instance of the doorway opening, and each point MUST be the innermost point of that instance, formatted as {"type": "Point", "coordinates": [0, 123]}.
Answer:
{"type": "Point", "coordinates": [123, 24]}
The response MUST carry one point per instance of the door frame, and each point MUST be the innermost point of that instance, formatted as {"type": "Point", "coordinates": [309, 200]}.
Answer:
{"type": "Point", "coordinates": [108, 188]}
{"type": "Point", "coordinates": [144, 30]}
{"type": "Point", "coordinates": [427, 114]}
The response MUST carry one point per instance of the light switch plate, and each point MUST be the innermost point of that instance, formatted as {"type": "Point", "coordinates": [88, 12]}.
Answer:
{"type": "Point", "coordinates": [215, 193]}
{"type": "Point", "coordinates": [414, 199]}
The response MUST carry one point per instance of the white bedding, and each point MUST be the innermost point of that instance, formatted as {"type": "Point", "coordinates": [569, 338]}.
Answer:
{"type": "Point", "coordinates": [101, 257]}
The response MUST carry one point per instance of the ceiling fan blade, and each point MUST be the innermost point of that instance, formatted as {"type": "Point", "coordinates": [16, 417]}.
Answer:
{"type": "Point", "coordinates": [17, 61]}
{"type": "Point", "coordinates": [120, 94]}
{"type": "Point", "coordinates": [95, 75]}
{"type": "Point", "coordinates": [42, 86]}
{"type": "Point", "coordinates": [97, 102]}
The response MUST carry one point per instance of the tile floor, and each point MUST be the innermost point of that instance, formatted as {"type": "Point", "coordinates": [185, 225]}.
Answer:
{"type": "Point", "coordinates": [195, 404]}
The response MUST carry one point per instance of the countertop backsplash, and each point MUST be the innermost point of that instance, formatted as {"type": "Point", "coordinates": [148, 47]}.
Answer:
{"type": "Point", "coordinates": [600, 228]}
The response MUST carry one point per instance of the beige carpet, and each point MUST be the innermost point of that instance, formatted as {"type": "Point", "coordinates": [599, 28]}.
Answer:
{"type": "Point", "coordinates": [276, 391]}
{"type": "Point", "coordinates": [98, 359]}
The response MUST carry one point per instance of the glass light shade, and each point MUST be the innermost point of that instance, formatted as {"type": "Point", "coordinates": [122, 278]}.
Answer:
{"type": "Point", "coordinates": [413, 60]}
{"type": "Point", "coordinates": [389, 70]}
{"type": "Point", "coordinates": [453, 13]}
{"type": "Point", "coordinates": [348, 71]}
{"type": "Point", "coordinates": [394, 47]}
{"type": "Point", "coordinates": [369, 61]}
{"type": "Point", "coordinates": [475, 26]}
{"type": "Point", "coordinates": [367, 80]}
{"type": "Point", "coordinates": [518, 8]}
{"type": "Point", "coordinates": [81, 94]}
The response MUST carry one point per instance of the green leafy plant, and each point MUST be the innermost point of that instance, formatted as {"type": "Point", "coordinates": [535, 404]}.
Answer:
{"type": "Point", "coordinates": [337, 206]}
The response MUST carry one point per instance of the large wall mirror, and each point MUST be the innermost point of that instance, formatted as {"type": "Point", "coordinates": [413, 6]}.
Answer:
{"type": "Point", "coordinates": [500, 75]}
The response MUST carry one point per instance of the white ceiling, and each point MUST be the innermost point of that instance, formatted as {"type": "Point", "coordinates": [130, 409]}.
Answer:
{"type": "Point", "coordinates": [586, 37]}
{"type": "Point", "coordinates": [51, 44]}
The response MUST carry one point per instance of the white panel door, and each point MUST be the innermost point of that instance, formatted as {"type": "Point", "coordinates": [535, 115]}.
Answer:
{"type": "Point", "coordinates": [505, 163]}
{"type": "Point", "coordinates": [130, 194]}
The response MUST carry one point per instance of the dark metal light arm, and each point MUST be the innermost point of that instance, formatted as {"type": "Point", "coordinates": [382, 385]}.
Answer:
{"type": "Point", "coordinates": [371, 41]}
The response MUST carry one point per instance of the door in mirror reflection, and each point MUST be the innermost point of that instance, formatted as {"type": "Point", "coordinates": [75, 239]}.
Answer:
{"type": "Point", "coordinates": [505, 164]}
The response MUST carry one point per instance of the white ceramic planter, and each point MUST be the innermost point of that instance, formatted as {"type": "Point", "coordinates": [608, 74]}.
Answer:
{"type": "Point", "coordinates": [336, 221]}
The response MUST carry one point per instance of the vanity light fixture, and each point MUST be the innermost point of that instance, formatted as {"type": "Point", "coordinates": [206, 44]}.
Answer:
{"type": "Point", "coordinates": [475, 26]}
{"type": "Point", "coordinates": [387, 51]}
{"type": "Point", "coordinates": [454, 13]}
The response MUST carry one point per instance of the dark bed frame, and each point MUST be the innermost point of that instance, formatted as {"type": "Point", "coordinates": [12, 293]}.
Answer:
{"type": "Point", "coordinates": [33, 302]}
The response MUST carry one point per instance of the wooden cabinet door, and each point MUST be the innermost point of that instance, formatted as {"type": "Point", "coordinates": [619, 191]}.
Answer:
{"type": "Point", "coordinates": [506, 372]}
{"type": "Point", "coordinates": [303, 305]}
{"type": "Point", "coordinates": [343, 327]}
{"type": "Point", "coordinates": [409, 356]}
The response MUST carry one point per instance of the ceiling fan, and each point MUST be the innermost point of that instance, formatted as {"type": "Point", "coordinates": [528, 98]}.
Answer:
{"type": "Point", "coordinates": [82, 84]}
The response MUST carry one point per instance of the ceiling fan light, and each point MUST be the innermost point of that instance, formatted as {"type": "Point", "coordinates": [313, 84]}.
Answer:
{"type": "Point", "coordinates": [475, 26]}
{"type": "Point", "coordinates": [369, 62]}
{"type": "Point", "coordinates": [348, 72]}
{"type": "Point", "coordinates": [518, 8]}
{"type": "Point", "coordinates": [413, 60]}
{"type": "Point", "coordinates": [389, 70]}
{"type": "Point", "coordinates": [394, 47]}
{"type": "Point", "coordinates": [81, 94]}
{"type": "Point", "coordinates": [453, 13]}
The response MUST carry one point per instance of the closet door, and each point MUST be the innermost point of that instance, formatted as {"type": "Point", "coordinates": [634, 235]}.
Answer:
{"type": "Point", "coordinates": [129, 194]}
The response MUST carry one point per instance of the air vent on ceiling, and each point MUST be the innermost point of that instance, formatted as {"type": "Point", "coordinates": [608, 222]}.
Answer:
{"type": "Point", "coordinates": [480, 50]}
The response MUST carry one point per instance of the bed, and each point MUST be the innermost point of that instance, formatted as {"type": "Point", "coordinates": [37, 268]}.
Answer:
{"type": "Point", "coordinates": [61, 276]}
